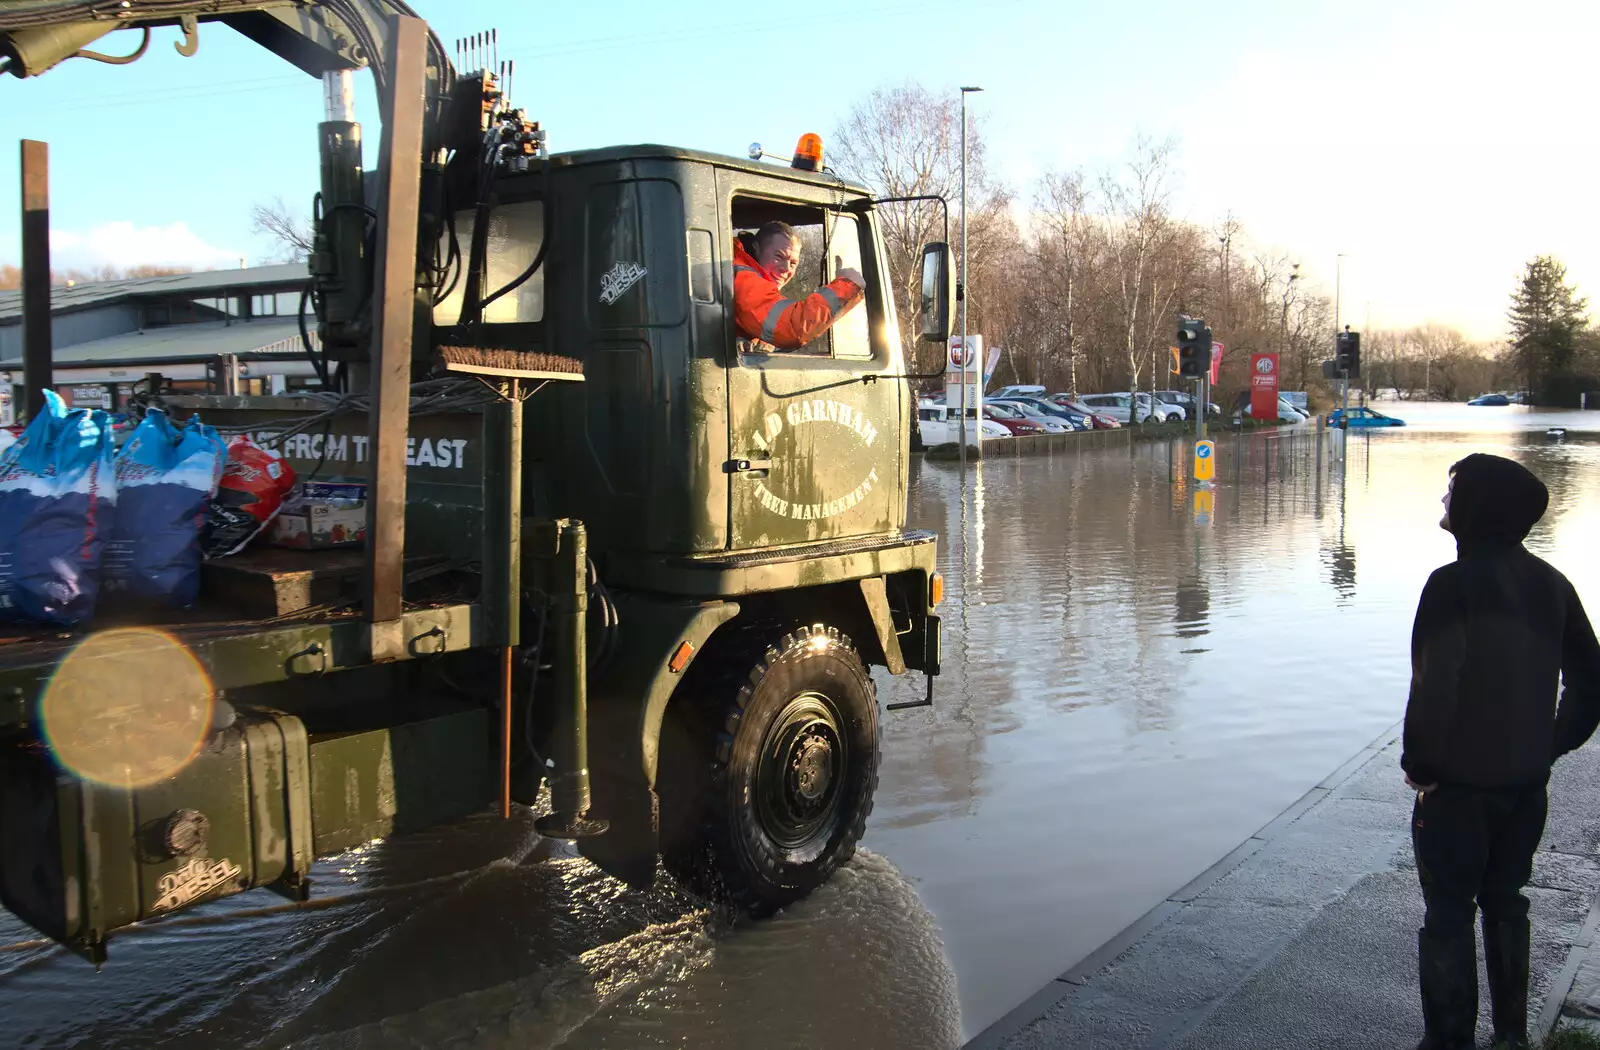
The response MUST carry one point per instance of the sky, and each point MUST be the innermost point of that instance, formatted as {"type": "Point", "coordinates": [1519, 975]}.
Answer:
{"type": "Point", "coordinates": [1436, 145]}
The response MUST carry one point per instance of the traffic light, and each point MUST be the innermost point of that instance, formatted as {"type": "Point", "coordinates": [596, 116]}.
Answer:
{"type": "Point", "coordinates": [1347, 352]}
{"type": "Point", "coordinates": [1194, 348]}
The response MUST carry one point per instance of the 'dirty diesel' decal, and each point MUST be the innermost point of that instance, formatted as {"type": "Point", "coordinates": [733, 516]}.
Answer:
{"type": "Point", "coordinates": [619, 279]}
{"type": "Point", "coordinates": [194, 879]}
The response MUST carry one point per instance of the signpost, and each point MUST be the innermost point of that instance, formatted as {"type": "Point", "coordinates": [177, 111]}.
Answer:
{"type": "Point", "coordinates": [1264, 386]}
{"type": "Point", "coordinates": [963, 386]}
{"type": "Point", "coordinates": [1205, 460]}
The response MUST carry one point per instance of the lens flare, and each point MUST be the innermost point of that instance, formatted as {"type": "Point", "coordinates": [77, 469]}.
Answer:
{"type": "Point", "coordinates": [128, 707]}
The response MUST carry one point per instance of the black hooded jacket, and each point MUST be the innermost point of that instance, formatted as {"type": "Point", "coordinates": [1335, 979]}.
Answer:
{"type": "Point", "coordinates": [1495, 630]}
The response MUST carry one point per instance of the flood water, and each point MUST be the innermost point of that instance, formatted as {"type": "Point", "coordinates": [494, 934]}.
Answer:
{"type": "Point", "coordinates": [1127, 695]}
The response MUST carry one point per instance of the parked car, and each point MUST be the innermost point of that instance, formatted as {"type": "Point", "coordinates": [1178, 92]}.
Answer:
{"type": "Point", "coordinates": [1015, 391]}
{"type": "Point", "coordinates": [1051, 423]}
{"type": "Point", "coordinates": [1012, 419]}
{"type": "Point", "coordinates": [1299, 399]}
{"type": "Point", "coordinates": [1036, 407]}
{"type": "Point", "coordinates": [1287, 413]}
{"type": "Point", "coordinates": [1490, 399]}
{"type": "Point", "coordinates": [1171, 399]}
{"type": "Point", "coordinates": [1186, 401]}
{"type": "Point", "coordinates": [1150, 410]}
{"type": "Point", "coordinates": [1362, 417]}
{"type": "Point", "coordinates": [1099, 419]}
{"type": "Point", "coordinates": [942, 426]}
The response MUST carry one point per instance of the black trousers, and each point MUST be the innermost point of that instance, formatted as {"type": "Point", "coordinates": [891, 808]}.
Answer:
{"type": "Point", "coordinates": [1474, 848]}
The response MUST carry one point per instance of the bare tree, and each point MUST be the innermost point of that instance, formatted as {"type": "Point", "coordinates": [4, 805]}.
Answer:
{"type": "Point", "coordinates": [1138, 222]}
{"type": "Point", "coordinates": [906, 142]}
{"type": "Point", "coordinates": [290, 232]}
{"type": "Point", "coordinates": [1068, 247]}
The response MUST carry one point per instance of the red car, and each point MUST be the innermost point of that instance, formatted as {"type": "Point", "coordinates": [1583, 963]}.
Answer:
{"type": "Point", "coordinates": [1100, 420]}
{"type": "Point", "coordinates": [1012, 420]}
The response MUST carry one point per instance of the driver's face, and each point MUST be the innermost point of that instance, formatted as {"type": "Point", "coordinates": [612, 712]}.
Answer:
{"type": "Point", "coordinates": [781, 257]}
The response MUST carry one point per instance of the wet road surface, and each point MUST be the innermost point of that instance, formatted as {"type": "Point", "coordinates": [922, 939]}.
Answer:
{"type": "Point", "coordinates": [1127, 695]}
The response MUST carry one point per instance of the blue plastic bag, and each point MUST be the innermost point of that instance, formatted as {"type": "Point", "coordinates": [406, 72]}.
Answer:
{"type": "Point", "coordinates": [58, 495]}
{"type": "Point", "coordinates": [164, 478]}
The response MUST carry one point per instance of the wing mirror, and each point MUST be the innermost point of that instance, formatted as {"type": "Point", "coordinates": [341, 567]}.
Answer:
{"type": "Point", "coordinates": [933, 312]}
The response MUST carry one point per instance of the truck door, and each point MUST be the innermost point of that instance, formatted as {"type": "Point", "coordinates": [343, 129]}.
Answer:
{"type": "Point", "coordinates": [816, 445]}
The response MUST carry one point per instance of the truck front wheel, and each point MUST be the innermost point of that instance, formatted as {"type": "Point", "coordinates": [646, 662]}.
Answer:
{"type": "Point", "coordinates": [768, 776]}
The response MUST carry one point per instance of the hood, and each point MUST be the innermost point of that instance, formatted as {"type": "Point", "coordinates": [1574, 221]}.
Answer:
{"type": "Point", "coordinates": [1495, 500]}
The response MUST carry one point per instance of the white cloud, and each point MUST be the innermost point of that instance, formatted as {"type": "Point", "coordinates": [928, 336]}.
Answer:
{"type": "Point", "coordinates": [125, 244]}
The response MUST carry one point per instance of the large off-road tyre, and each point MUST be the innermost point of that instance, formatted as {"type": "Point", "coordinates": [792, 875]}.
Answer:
{"type": "Point", "coordinates": [769, 766]}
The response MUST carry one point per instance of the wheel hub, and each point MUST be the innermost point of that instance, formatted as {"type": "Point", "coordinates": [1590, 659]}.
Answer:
{"type": "Point", "coordinates": [813, 768]}
{"type": "Point", "coordinates": [801, 770]}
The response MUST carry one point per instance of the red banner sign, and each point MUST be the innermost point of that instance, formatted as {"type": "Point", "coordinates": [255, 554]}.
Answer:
{"type": "Point", "coordinates": [1264, 386]}
{"type": "Point", "coordinates": [1217, 350]}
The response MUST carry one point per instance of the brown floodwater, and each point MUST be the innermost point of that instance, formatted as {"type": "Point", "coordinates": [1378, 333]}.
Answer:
{"type": "Point", "coordinates": [1127, 695]}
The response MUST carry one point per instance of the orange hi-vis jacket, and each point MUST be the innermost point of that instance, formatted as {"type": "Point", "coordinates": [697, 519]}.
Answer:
{"type": "Point", "coordinates": [762, 313]}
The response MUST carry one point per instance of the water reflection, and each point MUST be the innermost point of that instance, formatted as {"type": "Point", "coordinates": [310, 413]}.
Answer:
{"type": "Point", "coordinates": [1341, 562]}
{"type": "Point", "coordinates": [484, 935]}
{"type": "Point", "coordinates": [1191, 604]}
{"type": "Point", "coordinates": [1129, 694]}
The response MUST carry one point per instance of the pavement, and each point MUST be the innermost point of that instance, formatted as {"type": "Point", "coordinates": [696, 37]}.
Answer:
{"type": "Point", "coordinates": [1305, 936]}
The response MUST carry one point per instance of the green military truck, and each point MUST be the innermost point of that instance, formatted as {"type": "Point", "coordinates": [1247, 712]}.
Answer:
{"type": "Point", "coordinates": [612, 553]}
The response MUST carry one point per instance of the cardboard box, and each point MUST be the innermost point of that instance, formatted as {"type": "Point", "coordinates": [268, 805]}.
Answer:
{"type": "Point", "coordinates": [320, 515]}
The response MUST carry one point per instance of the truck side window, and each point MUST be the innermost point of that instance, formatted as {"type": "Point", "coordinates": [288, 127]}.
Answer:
{"type": "Point", "coordinates": [824, 237]}
{"type": "Point", "coordinates": [515, 233]}
{"type": "Point", "coordinates": [850, 331]}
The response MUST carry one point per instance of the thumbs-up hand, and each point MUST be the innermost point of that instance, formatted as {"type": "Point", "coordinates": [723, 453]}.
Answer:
{"type": "Point", "coordinates": [849, 273]}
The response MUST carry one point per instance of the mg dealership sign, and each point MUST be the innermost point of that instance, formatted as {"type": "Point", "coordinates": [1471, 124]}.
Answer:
{"type": "Point", "coordinates": [1264, 386]}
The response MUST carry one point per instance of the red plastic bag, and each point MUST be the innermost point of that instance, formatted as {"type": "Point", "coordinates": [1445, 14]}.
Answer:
{"type": "Point", "coordinates": [254, 484]}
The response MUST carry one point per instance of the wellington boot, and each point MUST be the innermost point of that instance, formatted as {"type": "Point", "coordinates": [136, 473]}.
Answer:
{"type": "Point", "coordinates": [1447, 970]}
{"type": "Point", "coordinates": [1505, 958]}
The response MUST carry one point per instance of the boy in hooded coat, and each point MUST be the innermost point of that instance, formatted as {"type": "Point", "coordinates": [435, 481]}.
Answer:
{"type": "Point", "coordinates": [1494, 629]}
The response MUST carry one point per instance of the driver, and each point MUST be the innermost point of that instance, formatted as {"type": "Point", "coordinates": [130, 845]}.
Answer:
{"type": "Point", "coordinates": [763, 263]}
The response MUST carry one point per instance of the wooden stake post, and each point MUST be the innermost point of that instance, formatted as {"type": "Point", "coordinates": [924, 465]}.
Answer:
{"type": "Point", "coordinates": [388, 419]}
{"type": "Point", "coordinates": [37, 374]}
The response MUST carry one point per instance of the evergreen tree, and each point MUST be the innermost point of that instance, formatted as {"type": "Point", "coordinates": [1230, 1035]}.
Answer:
{"type": "Point", "coordinates": [1547, 319]}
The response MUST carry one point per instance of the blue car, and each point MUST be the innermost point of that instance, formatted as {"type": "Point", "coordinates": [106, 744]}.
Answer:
{"type": "Point", "coordinates": [1362, 417]}
{"type": "Point", "coordinates": [1490, 399]}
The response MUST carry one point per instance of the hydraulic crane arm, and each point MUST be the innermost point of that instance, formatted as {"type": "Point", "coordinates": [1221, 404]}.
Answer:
{"type": "Point", "coordinates": [316, 36]}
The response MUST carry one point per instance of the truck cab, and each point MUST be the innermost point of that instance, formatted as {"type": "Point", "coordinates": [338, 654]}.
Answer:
{"type": "Point", "coordinates": [688, 441]}
{"type": "Point", "coordinates": [704, 468]}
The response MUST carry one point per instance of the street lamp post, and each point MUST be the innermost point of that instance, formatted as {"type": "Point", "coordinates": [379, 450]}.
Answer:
{"type": "Point", "coordinates": [1344, 379]}
{"type": "Point", "coordinates": [966, 350]}
{"type": "Point", "coordinates": [1283, 322]}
